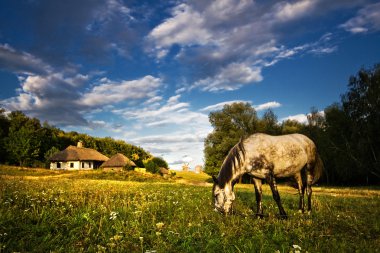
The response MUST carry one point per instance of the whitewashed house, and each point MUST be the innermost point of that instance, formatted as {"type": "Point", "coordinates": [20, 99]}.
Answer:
{"type": "Point", "coordinates": [77, 158]}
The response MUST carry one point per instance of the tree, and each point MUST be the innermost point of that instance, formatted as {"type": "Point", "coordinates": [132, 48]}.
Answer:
{"type": "Point", "coordinates": [362, 105]}
{"type": "Point", "coordinates": [24, 140]}
{"type": "Point", "coordinates": [4, 127]}
{"type": "Point", "coordinates": [349, 138]}
{"type": "Point", "coordinates": [49, 154]}
{"type": "Point", "coordinates": [270, 123]}
{"type": "Point", "coordinates": [291, 127]}
{"type": "Point", "coordinates": [230, 124]}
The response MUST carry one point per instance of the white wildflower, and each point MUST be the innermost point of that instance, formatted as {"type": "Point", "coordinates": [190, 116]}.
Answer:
{"type": "Point", "coordinates": [113, 215]}
{"type": "Point", "coordinates": [295, 246]}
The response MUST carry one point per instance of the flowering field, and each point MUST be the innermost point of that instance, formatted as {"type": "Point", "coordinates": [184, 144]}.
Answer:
{"type": "Point", "coordinates": [42, 211]}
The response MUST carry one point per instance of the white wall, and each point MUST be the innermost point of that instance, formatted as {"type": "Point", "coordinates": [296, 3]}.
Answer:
{"type": "Point", "coordinates": [73, 165]}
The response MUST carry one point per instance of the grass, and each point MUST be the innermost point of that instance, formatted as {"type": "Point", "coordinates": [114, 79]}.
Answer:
{"type": "Point", "coordinates": [49, 211]}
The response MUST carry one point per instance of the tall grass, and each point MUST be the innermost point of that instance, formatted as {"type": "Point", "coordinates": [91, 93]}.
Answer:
{"type": "Point", "coordinates": [71, 213]}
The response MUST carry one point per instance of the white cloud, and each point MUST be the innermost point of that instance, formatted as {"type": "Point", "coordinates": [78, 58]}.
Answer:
{"type": "Point", "coordinates": [219, 106]}
{"type": "Point", "coordinates": [185, 27]}
{"type": "Point", "coordinates": [302, 118]}
{"type": "Point", "coordinates": [115, 92]}
{"type": "Point", "coordinates": [267, 105]}
{"type": "Point", "coordinates": [231, 77]}
{"type": "Point", "coordinates": [285, 11]}
{"type": "Point", "coordinates": [260, 107]}
{"type": "Point", "coordinates": [237, 39]}
{"type": "Point", "coordinates": [170, 130]}
{"type": "Point", "coordinates": [367, 19]}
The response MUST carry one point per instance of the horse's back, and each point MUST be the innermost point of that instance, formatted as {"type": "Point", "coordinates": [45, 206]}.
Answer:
{"type": "Point", "coordinates": [284, 154]}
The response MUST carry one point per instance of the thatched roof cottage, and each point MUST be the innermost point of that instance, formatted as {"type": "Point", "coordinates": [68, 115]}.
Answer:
{"type": "Point", "coordinates": [77, 158]}
{"type": "Point", "coordinates": [117, 162]}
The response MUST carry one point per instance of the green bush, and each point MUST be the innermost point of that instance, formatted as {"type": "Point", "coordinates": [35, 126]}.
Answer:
{"type": "Point", "coordinates": [160, 162]}
{"type": "Point", "coordinates": [151, 166]}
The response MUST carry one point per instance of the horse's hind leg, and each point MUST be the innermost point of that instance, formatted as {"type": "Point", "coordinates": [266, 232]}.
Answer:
{"type": "Point", "coordinates": [258, 192]}
{"type": "Point", "coordinates": [309, 182]}
{"type": "Point", "coordinates": [309, 191]}
{"type": "Point", "coordinates": [301, 191]}
{"type": "Point", "coordinates": [276, 196]}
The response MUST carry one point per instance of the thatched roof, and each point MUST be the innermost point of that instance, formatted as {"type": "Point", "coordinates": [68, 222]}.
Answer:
{"type": "Point", "coordinates": [118, 160]}
{"type": "Point", "coordinates": [72, 153]}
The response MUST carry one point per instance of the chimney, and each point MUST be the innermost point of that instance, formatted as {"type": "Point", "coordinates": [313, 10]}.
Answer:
{"type": "Point", "coordinates": [80, 144]}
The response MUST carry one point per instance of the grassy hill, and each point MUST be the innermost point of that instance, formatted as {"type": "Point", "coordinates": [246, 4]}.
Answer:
{"type": "Point", "coordinates": [96, 211]}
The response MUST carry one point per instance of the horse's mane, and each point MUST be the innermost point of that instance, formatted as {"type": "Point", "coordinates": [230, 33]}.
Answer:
{"type": "Point", "coordinates": [234, 158]}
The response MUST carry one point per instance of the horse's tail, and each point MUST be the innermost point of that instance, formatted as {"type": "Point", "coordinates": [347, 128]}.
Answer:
{"type": "Point", "coordinates": [317, 171]}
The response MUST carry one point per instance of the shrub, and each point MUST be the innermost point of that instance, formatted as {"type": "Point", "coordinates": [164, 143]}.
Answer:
{"type": "Point", "coordinates": [151, 166]}
{"type": "Point", "coordinates": [160, 162]}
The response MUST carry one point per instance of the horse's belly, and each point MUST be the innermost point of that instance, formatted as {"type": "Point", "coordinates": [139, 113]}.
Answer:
{"type": "Point", "coordinates": [287, 169]}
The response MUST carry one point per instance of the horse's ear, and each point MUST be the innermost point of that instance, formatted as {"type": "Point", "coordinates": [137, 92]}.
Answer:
{"type": "Point", "coordinates": [214, 179]}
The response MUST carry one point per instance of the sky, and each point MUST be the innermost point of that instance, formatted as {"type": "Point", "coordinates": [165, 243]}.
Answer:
{"type": "Point", "coordinates": [150, 72]}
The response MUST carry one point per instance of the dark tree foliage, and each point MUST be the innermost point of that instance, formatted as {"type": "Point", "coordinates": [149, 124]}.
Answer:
{"type": "Point", "coordinates": [4, 129]}
{"type": "Point", "coordinates": [270, 123]}
{"type": "Point", "coordinates": [23, 142]}
{"type": "Point", "coordinates": [359, 120]}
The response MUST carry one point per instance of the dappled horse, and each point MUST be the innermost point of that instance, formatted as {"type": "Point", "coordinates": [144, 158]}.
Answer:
{"type": "Point", "coordinates": [268, 157]}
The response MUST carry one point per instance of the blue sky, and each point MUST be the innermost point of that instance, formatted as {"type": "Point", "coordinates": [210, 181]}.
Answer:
{"type": "Point", "coordinates": [149, 72]}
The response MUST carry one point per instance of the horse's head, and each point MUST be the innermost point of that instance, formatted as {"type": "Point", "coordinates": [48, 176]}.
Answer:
{"type": "Point", "coordinates": [223, 197]}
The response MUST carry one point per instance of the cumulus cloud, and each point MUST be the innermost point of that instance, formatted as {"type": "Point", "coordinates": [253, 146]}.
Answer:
{"type": "Point", "coordinates": [301, 118]}
{"type": "Point", "coordinates": [115, 92]}
{"type": "Point", "coordinates": [178, 29]}
{"type": "Point", "coordinates": [367, 19]}
{"type": "Point", "coordinates": [61, 97]}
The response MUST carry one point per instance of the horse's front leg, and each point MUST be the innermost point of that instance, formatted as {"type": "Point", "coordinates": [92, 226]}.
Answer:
{"type": "Point", "coordinates": [276, 196]}
{"type": "Point", "coordinates": [258, 192]}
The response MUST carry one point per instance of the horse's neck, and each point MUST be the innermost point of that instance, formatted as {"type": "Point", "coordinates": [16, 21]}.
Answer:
{"type": "Point", "coordinates": [238, 172]}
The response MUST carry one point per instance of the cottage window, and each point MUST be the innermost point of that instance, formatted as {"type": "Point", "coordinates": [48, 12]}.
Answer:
{"type": "Point", "coordinates": [58, 165]}
{"type": "Point", "coordinates": [82, 165]}
{"type": "Point", "coordinates": [71, 165]}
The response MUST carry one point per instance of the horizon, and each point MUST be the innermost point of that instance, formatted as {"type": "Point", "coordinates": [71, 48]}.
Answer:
{"type": "Point", "coordinates": [150, 72]}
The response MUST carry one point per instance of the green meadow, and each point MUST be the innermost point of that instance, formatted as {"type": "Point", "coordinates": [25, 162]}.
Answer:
{"type": "Point", "coordinates": [96, 211]}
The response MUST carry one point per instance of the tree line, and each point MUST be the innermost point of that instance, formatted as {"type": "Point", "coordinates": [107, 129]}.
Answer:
{"type": "Point", "coordinates": [24, 141]}
{"type": "Point", "coordinates": [347, 133]}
